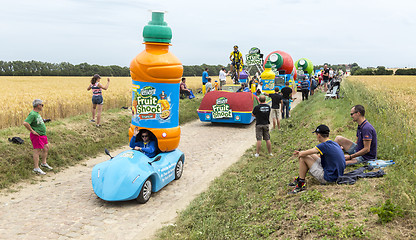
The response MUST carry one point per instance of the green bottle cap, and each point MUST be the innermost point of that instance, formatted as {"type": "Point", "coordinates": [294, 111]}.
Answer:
{"type": "Point", "coordinates": [268, 64]}
{"type": "Point", "coordinates": [157, 30]}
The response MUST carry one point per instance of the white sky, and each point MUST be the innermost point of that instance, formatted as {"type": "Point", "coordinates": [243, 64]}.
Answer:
{"type": "Point", "coordinates": [369, 32]}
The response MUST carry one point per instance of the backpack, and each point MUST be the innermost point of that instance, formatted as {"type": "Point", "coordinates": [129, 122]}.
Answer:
{"type": "Point", "coordinates": [314, 84]}
{"type": "Point", "coordinates": [16, 140]}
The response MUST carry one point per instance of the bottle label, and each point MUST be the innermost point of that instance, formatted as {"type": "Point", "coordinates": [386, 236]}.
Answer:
{"type": "Point", "coordinates": [268, 84]}
{"type": "Point", "coordinates": [155, 105]}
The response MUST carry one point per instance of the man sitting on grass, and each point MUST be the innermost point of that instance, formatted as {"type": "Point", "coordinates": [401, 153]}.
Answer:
{"type": "Point", "coordinates": [325, 168]}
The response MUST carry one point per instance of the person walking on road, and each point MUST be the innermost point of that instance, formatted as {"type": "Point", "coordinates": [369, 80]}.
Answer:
{"type": "Point", "coordinates": [305, 85]}
{"type": "Point", "coordinates": [276, 103]}
{"type": "Point", "coordinates": [287, 96]}
{"type": "Point", "coordinates": [262, 114]}
{"type": "Point", "coordinates": [36, 126]}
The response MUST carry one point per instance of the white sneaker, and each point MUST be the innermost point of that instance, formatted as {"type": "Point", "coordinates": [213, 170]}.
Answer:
{"type": "Point", "coordinates": [38, 171]}
{"type": "Point", "coordinates": [256, 155]}
{"type": "Point", "coordinates": [45, 165]}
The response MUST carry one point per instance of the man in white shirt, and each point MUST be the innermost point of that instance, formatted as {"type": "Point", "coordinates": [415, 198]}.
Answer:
{"type": "Point", "coordinates": [222, 77]}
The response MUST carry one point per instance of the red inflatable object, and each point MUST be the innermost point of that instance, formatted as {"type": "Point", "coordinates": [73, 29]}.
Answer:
{"type": "Point", "coordinates": [284, 62]}
{"type": "Point", "coordinates": [239, 102]}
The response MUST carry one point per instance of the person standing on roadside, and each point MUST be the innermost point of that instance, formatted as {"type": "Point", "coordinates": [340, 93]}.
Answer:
{"type": "Point", "coordinates": [262, 114]}
{"type": "Point", "coordinates": [222, 77]}
{"type": "Point", "coordinates": [36, 126]}
{"type": "Point", "coordinates": [305, 85]}
{"type": "Point", "coordinates": [97, 97]}
{"type": "Point", "coordinates": [276, 102]}
{"type": "Point", "coordinates": [205, 76]}
{"type": "Point", "coordinates": [314, 85]}
{"type": "Point", "coordinates": [286, 95]}
{"type": "Point", "coordinates": [325, 77]}
{"type": "Point", "coordinates": [365, 148]}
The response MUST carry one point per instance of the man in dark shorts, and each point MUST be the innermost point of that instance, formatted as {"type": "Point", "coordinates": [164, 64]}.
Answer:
{"type": "Point", "coordinates": [286, 95]}
{"type": "Point", "coordinates": [276, 102]}
{"type": "Point", "coordinates": [325, 77]}
{"type": "Point", "coordinates": [325, 162]}
{"type": "Point", "coordinates": [262, 114]}
{"type": "Point", "coordinates": [365, 148]}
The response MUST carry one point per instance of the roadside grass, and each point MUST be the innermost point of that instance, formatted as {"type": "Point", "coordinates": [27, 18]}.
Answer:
{"type": "Point", "coordinates": [251, 201]}
{"type": "Point", "coordinates": [72, 140]}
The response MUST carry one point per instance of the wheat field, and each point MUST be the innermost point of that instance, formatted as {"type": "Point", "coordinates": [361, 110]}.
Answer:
{"type": "Point", "coordinates": [63, 96]}
{"type": "Point", "coordinates": [398, 90]}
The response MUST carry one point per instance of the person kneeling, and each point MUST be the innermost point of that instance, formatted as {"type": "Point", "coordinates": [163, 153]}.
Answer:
{"type": "Point", "coordinates": [325, 167]}
{"type": "Point", "coordinates": [144, 144]}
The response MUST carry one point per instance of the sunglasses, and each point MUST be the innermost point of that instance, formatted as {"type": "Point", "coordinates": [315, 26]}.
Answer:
{"type": "Point", "coordinates": [352, 113]}
{"type": "Point", "coordinates": [143, 136]}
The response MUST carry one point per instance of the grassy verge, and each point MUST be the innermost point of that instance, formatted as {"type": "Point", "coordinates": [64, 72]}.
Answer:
{"type": "Point", "coordinates": [250, 200]}
{"type": "Point", "coordinates": [72, 140]}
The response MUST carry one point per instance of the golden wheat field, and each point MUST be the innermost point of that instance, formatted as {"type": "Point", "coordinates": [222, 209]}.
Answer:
{"type": "Point", "coordinates": [63, 96]}
{"type": "Point", "coordinates": [400, 90]}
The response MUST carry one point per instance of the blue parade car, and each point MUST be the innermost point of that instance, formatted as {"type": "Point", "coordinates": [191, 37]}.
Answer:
{"type": "Point", "coordinates": [133, 175]}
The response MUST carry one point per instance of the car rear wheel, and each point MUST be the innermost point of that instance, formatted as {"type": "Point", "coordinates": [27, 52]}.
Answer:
{"type": "Point", "coordinates": [179, 168]}
{"type": "Point", "coordinates": [146, 192]}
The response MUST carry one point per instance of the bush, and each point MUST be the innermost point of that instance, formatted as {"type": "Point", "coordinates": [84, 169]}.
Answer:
{"type": "Point", "coordinates": [387, 211]}
{"type": "Point", "coordinates": [408, 71]}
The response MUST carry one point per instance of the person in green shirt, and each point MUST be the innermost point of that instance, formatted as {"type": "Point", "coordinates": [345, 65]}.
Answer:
{"type": "Point", "coordinates": [36, 126]}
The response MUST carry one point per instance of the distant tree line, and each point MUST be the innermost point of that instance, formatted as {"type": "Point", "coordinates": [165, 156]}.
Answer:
{"type": "Point", "coordinates": [406, 71]}
{"type": "Point", "coordinates": [196, 70]}
{"type": "Point", "coordinates": [380, 70]}
{"type": "Point", "coordinates": [36, 68]}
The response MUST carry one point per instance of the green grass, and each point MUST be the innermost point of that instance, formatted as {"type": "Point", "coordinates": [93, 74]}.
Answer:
{"type": "Point", "coordinates": [72, 140]}
{"type": "Point", "coordinates": [250, 200]}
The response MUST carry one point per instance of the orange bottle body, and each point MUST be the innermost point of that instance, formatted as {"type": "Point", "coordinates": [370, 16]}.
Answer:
{"type": "Point", "coordinates": [156, 75]}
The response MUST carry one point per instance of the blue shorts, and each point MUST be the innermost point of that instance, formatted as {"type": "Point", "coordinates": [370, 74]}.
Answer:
{"type": "Point", "coordinates": [352, 150]}
{"type": "Point", "coordinates": [97, 99]}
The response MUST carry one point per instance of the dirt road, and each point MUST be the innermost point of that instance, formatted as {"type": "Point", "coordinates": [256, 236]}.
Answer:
{"type": "Point", "coordinates": [64, 206]}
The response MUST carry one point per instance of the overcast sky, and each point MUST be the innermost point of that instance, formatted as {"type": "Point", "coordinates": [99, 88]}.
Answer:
{"type": "Point", "coordinates": [368, 32]}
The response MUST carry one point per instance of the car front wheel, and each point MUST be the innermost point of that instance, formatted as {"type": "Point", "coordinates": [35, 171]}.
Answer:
{"type": "Point", "coordinates": [146, 192]}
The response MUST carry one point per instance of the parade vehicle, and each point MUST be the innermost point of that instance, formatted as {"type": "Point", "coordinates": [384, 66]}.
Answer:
{"type": "Point", "coordinates": [228, 106]}
{"type": "Point", "coordinates": [133, 175]}
{"type": "Point", "coordinates": [156, 75]}
{"type": "Point", "coordinates": [283, 67]}
{"type": "Point", "coordinates": [304, 68]}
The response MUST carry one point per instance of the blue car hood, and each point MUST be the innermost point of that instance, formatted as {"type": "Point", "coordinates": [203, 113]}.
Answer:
{"type": "Point", "coordinates": [122, 177]}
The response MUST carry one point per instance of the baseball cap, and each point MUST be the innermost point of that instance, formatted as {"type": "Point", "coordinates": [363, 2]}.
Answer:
{"type": "Point", "coordinates": [324, 129]}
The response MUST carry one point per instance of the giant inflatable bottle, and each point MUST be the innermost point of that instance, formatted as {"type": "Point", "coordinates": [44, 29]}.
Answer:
{"type": "Point", "coordinates": [268, 77]}
{"type": "Point", "coordinates": [156, 74]}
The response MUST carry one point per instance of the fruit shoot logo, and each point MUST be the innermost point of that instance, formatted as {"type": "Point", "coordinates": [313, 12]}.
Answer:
{"type": "Point", "coordinates": [221, 109]}
{"type": "Point", "coordinates": [147, 105]}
